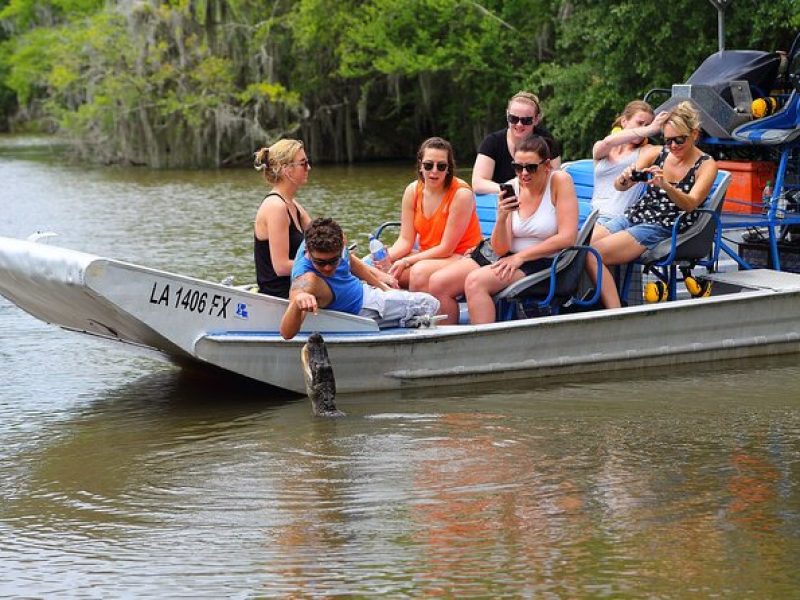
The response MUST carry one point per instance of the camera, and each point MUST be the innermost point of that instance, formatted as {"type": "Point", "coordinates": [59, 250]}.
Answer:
{"type": "Point", "coordinates": [637, 175]}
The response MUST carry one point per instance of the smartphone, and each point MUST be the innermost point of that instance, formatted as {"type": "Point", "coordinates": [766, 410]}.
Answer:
{"type": "Point", "coordinates": [639, 175]}
{"type": "Point", "coordinates": [508, 189]}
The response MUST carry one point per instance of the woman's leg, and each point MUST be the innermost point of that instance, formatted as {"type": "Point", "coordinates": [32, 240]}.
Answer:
{"type": "Point", "coordinates": [598, 233]}
{"type": "Point", "coordinates": [420, 274]}
{"type": "Point", "coordinates": [479, 287]}
{"type": "Point", "coordinates": [615, 249]}
{"type": "Point", "coordinates": [448, 284]}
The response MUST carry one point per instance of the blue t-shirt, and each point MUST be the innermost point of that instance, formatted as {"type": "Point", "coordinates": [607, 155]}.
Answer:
{"type": "Point", "coordinates": [348, 295]}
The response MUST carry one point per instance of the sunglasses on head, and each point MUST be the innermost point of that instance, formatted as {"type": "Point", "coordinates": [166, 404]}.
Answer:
{"type": "Point", "coordinates": [325, 262]}
{"type": "Point", "coordinates": [678, 140]}
{"type": "Point", "coordinates": [514, 119]}
{"type": "Point", "coordinates": [529, 167]}
{"type": "Point", "coordinates": [440, 166]}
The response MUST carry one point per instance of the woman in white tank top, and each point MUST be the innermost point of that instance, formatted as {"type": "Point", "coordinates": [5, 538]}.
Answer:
{"type": "Point", "coordinates": [532, 226]}
{"type": "Point", "coordinates": [616, 152]}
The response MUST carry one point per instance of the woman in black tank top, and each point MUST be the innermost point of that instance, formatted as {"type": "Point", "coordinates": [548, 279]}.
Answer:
{"type": "Point", "coordinates": [280, 220]}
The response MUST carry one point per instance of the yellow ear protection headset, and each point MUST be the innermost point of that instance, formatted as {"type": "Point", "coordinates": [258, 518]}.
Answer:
{"type": "Point", "coordinates": [696, 289]}
{"type": "Point", "coordinates": [657, 291]}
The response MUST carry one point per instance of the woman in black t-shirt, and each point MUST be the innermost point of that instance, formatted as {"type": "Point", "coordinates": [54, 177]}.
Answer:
{"type": "Point", "coordinates": [495, 154]}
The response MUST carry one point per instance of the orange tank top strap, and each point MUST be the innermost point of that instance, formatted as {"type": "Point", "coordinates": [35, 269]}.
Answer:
{"type": "Point", "coordinates": [431, 230]}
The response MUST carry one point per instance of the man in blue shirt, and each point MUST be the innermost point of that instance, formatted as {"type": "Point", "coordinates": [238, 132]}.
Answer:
{"type": "Point", "coordinates": [324, 275]}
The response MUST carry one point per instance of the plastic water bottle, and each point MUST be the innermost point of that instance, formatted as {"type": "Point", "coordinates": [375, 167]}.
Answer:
{"type": "Point", "coordinates": [780, 210]}
{"type": "Point", "coordinates": [766, 197]}
{"type": "Point", "coordinates": [380, 256]}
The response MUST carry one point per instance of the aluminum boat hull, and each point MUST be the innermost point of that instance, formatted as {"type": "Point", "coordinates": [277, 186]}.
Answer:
{"type": "Point", "coordinates": [757, 313]}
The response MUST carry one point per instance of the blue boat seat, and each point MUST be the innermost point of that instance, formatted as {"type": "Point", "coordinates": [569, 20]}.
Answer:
{"type": "Point", "coordinates": [781, 128]}
{"type": "Point", "coordinates": [782, 132]}
{"type": "Point", "coordinates": [582, 173]}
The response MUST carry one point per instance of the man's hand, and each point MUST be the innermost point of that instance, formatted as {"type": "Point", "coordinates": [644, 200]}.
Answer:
{"type": "Point", "coordinates": [305, 302]}
{"type": "Point", "coordinates": [388, 282]}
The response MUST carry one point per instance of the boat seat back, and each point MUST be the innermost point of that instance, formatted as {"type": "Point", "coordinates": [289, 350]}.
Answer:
{"type": "Point", "coordinates": [582, 173]}
{"type": "Point", "coordinates": [554, 286]}
{"type": "Point", "coordinates": [696, 241]}
{"type": "Point", "coordinates": [486, 207]}
{"type": "Point", "coordinates": [782, 128]}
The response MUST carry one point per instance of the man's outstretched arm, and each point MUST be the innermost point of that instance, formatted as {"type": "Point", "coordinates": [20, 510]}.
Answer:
{"type": "Point", "coordinates": [301, 301]}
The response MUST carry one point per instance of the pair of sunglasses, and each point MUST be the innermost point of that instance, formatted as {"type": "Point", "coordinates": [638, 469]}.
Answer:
{"type": "Point", "coordinates": [306, 164]}
{"type": "Point", "coordinates": [529, 167]}
{"type": "Point", "coordinates": [514, 119]}
{"type": "Point", "coordinates": [678, 140]}
{"type": "Point", "coordinates": [440, 166]}
{"type": "Point", "coordinates": [325, 262]}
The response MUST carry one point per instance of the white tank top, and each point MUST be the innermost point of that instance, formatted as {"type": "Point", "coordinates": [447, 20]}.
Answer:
{"type": "Point", "coordinates": [536, 228]}
{"type": "Point", "coordinates": [605, 197]}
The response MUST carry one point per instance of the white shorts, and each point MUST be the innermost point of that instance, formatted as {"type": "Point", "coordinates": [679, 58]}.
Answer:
{"type": "Point", "coordinates": [395, 307]}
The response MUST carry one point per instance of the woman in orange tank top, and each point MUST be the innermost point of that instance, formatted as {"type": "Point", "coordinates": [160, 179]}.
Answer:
{"type": "Point", "coordinates": [439, 209]}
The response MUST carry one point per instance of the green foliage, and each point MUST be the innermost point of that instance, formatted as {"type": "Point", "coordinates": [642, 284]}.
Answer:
{"type": "Point", "coordinates": [203, 82]}
{"type": "Point", "coordinates": [26, 14]}
{"type": "Point", "coordinates": [609, 53]}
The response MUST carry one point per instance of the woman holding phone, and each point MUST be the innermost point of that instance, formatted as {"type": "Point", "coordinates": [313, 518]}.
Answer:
{"type": "Point", "coordinates": [536, 219]}
{"type": "Point", "coordinates": [439, 210]}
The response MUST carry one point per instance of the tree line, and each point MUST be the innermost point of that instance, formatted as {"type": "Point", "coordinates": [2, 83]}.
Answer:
{"type": "Point", "coordinates": [197, 83]}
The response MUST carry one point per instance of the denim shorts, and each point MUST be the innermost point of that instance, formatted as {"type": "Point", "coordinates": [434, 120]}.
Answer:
{"type": "Point", "coordinates": [603, 219]}
{"type": "Point", "coordinates": [648, 235]}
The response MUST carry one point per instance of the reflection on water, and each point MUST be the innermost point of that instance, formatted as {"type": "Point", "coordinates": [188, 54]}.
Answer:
{"type": "Point", "coordinates": [568, 490]}
{"type": "Point", "coordinates": [124, 476]}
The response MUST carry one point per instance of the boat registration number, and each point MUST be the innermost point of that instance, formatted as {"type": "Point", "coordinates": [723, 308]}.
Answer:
{"type": "Point", "coordinates": [190, 299]}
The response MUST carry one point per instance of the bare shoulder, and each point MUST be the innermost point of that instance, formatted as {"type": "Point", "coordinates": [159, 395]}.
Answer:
{"type": "Point", "coordinates": [708, 167]}
{"type": "Point", "coordinates": [562, 180]}
{"type": "Point", "coordinates": [409, 192]}
{"type": "Point", "coordinates": [649, 154]}
{"type": "Point", "coordinates": [710, 163]}
{"type": "Point", "coordinates": [464, 194]}
{"type": "Point", "coordinates": [272, 204]}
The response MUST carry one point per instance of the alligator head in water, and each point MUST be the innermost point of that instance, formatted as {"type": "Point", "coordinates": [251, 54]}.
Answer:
{"type": "Point", "coordinates": [320, 382]}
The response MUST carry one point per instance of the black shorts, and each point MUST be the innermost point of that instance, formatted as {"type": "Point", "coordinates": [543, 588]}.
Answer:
{"type": "Point", "coordinates": [534, 266]}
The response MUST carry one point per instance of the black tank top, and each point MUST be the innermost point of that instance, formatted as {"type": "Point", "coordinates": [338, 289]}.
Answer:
{"type": "Point", "coordinates": [270, 282]}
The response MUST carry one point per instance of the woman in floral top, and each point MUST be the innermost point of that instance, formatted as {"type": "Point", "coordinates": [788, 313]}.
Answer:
{"type": "Point", "coordinates": [679, 177]}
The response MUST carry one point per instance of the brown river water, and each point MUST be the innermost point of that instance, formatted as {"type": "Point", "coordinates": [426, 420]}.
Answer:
{"type": "Point", "coordinates": [123, 476]}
